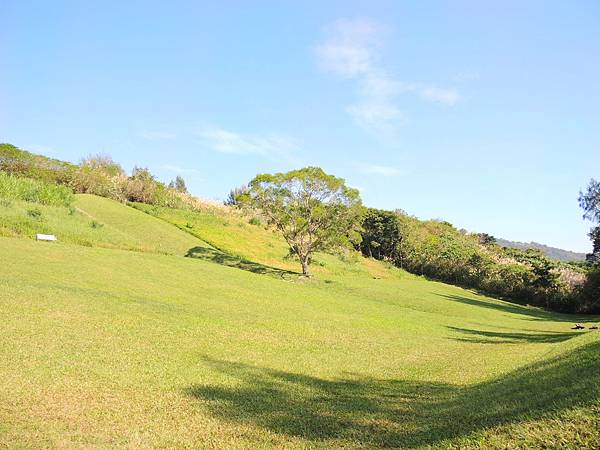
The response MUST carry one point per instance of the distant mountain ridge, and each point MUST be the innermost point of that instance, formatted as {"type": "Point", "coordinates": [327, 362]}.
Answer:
{"type": "Point", "coordinates": [552, 252]}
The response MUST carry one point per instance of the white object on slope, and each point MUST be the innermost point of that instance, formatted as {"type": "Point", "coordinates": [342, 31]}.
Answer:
{"type": "Point", "coordinates": [45, 237]}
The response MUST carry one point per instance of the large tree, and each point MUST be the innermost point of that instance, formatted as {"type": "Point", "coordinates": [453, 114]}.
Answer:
{"type": "Point", "coordinates": [590, 203]}
{"type": "Point", "coordinates": [590, 291]}
{"type": "Point", "coordinates": [313, 211]}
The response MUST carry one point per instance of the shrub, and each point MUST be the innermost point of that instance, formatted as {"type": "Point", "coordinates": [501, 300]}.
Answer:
{"type": "Point", "coordinates": [99, 175]}
{"type": "Point", "coordinates": [234, 195]}
{"type": "Point", "coordinates": [141, 186]}
{"type": "Point", "coordinates": [34, 213]}
{"type": "Point", "coordinates": [19, 162]}
{"type": "Point", "coordinates": [255, 221]}
{"type": "Point", "coordinates": [34, 191]}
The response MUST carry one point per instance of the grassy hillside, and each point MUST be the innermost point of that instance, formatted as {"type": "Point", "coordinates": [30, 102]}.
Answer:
{"type": "Point", "coordinates": [104, 347]}
{"type": "Point", "coordinates": [94, 221]}
{"type": "Point", "coordinates": [113, 348]}
{"type": "Point", "coordinates": [239, 241]}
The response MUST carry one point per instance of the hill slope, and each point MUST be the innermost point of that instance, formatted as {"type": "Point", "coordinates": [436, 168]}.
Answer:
{"type": "Point", "coordinates": [552, 252]}
{"type": "Point", "coordinates": [104, 347]}
{"type": "Point", "coordinates": [95, 221]}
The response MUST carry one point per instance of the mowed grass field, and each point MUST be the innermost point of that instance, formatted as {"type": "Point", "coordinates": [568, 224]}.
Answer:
{"type": "Point", "coordinates": [104, 347]}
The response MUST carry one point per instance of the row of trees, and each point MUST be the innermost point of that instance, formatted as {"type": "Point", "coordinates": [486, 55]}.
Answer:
{"type": "Point", "coordinates": [438, 250]}
{"type": "Point", "coordinates": [315, 211]}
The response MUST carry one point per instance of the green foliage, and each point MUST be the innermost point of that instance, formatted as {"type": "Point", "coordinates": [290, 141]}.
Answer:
{"type": "Point", "coordinates": [178, 184]}
{"type": "Point", "coordinates": [99, 175]}
{"type": "Point", "coordinates": [590, 203]}
{"type": "Point", "coordinates": [34, 213]}
{"type": "Point", "coordinates": [234, 195]}
{"type": "Point", "coordinates": [35, 191]}
{"type": "Point", "coordinates": [312, 210]}
{"type": "Point", "coordinates": [96, 224]}
{"type": "Point", "coordinates": [381, 234]}
{"type": "Point", "coordinates": [19, 162]}
{"type": "Point", "coordinates": [486, 239]}
{"type": "Point", "coordinates": [141, 186]}
{"type": "Point", "coordinates": [590, 292]}
{"type": "Point", "coordinates": [439, 251]}
{"type": "Point", "coordinates": [255, 221]}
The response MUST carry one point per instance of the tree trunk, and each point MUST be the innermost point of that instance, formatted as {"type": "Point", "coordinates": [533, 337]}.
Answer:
{"type": "Point", "coordinates": [304, 262]}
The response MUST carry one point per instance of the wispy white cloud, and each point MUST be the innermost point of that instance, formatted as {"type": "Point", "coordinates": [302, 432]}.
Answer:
{"type": "Point", "coordinates": [270, 145]}
{"type": "Point", "coordinates": [436, 94]}
{"type": "Point", "coordinates": [157, 135]}
{"type": "Point", "coordinates": [352, 51]}
{"type": "Point", "coordinates": [177, 169]}
{"type": "Point", "coordinates": [349, 51]}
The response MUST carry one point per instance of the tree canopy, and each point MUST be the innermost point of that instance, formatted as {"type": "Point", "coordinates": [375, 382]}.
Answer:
{"type": "Point", "coordinates": [590, 203]}
{"type": "Point", "coordinates": [313, 211]}
{"type": "Point", "coordinates": [178, 184]}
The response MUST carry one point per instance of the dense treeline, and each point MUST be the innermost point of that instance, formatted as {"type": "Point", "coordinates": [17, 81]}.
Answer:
{"type": "Point", "coordinates": [438, 250]}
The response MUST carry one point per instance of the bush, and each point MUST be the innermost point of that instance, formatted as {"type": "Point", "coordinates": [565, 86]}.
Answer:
{"type": "Point", "coordinates": [589, 294]}
{"type": "Point", "coordinates": [19, 162]}
{"type": "Point", "coordinates": [100, 175]}
{"type": "Point", "coordinates": [255, 221]}
{"type": "Point", "coordinates": [34, 191]}
{"type": "Point", "coordinates": [34, 213]}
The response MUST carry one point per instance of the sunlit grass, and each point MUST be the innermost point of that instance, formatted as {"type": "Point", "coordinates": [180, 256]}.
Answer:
{"type": "Point", "coordinates": [109, 348]}
{"type": "Point", "coordinates": [93, 221]}
{"type": "Point", "coordinates": [17, 188]}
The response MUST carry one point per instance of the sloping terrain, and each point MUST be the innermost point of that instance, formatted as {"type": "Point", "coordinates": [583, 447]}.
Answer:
{"type": "Point", "coordinates": [110, 348]}
{"type": "Point", "coordinates": [553, 252]}
{"type": "Point", "coordinates": [95, 221]}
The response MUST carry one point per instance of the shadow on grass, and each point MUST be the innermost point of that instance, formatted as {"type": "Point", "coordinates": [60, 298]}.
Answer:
{"type": "Point", "coordinates": [499, 337]}
{"type": "Point", "coordinates": [397, 413]}
{"type": "Point", "coordinates": [515, 308]}
{"type": "Point", "coordinates": [220, 257]}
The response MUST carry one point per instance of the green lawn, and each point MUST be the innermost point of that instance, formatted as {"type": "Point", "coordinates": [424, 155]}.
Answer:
{"type": "Point", "coordinates": [104, 347]}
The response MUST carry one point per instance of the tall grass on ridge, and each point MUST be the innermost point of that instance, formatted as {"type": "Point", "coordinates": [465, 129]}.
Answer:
{"type": "Point", "coordinates": [16, 188]}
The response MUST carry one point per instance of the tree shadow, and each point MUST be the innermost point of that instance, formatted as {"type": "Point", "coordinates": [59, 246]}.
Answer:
{"type": "Point", "coordinates": [225, 259]}
{"type": "Point", "coordinates": [397, 413]}
{"type": "Point", "coordinates": [512, 308]}
{"type": "Point", "coordinates": [499, 337]}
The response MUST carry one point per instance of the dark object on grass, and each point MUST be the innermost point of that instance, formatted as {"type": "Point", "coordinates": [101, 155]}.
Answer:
{"type": "Point", "coordinates": [594, 327]}
{"type": "Point", "coordinates": [578, 326]}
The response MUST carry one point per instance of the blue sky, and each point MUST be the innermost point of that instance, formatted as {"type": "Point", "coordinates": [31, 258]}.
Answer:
{"type": "Point", "coordinates": [485, 114]}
